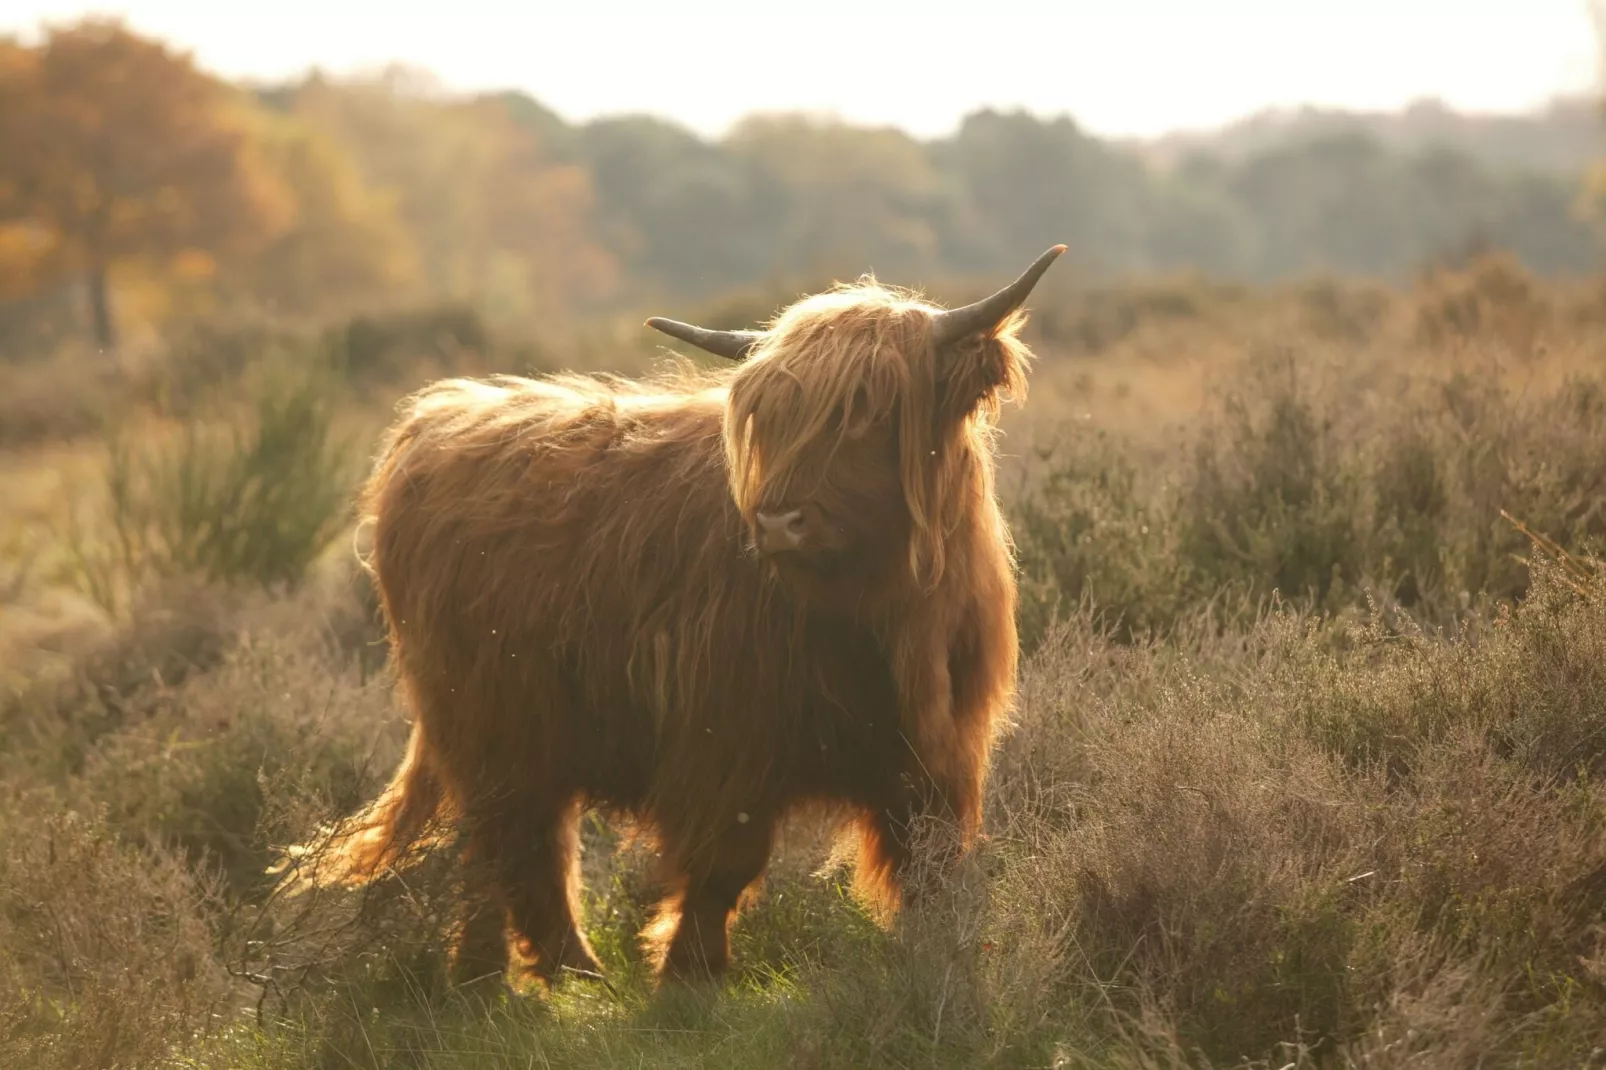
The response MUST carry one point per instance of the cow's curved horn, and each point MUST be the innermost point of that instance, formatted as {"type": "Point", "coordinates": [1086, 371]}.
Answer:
{"type": "Point", "coordinates": [732, 345]}
{"type": "Point", "coordinates": [956, 323]}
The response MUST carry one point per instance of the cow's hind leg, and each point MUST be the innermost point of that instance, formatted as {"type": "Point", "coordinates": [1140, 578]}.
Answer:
{"type": "Point", "coordinates": [544, 893]}
{"type": "Point", "coordinates": [479, 951]}
{"type": "Point", "coordinates": [528, 848]}
{"type": "Point", "coordinates": [713, 880]}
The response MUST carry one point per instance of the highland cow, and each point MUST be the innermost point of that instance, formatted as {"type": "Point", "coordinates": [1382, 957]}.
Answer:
{"type": "Point", "coordinates": [700, 602]}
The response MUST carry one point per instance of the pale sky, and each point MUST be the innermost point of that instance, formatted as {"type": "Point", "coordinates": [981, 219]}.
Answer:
{"type": "Point", "coordinates": [1121, 68]}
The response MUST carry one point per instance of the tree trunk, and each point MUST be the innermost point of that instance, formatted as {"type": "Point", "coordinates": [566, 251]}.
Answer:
{"type": "Point", "coordinates": [100, 309]}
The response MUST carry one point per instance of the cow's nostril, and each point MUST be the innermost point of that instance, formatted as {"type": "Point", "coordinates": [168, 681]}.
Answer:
{"type": "Point", "coordinates": [781, 530]}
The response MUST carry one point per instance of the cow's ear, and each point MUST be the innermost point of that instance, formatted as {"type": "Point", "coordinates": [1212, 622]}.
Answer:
{"type": "Point", "coordinates": [975, 368]}
{"type": "Point", "coordinates": [972, 344]}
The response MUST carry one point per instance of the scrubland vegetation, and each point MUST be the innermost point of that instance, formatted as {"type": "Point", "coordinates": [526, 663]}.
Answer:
{"type": "Point", "coordinates": [1307, 768]}
{"type": "Point", "coordinates": [1309, 764]}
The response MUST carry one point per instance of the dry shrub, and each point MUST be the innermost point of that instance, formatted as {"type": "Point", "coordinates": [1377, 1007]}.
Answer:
{"type": "Point", "coordinates": [1093, 498]}
{"type": "Point", "coordinates": [1328, 484]}
{"type": "Point", "coordinates": [1492, 298]}
{"type": "Point", "coordinates": [1312, 844]}
{"type": "Point", "coordinates": [947, 984]}
{"type": "Point", "coordinates": [76, 391]}
{"type": "Point", "coordinates": [392, 349]}
{"type": "Point", "coordinates": [62, 398]}
{"type": "Point", "coordinates": [1081, 318]}
{"type": "Point", "coordinates": [1245, 818]}
{"type": "Point", "coordinates": [1269, 496]}
{"type": "Point", "coordinates": [1196, 868]}
{"type": "Point", "coordinates": [277, 720]}
{"type": "Point", "coordinates": [1352, 312]}
{"type": "Point", "coordinates": [106, 954]}
{"type": "Point", "coordinates": [172, 632]}
{"type": "Point", "coordinates": [210, 728]}
{"type": "Point", "coordinates": [1292, 842]}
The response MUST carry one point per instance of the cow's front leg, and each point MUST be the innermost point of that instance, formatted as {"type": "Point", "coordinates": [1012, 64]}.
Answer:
{"type": "Point", "coordinates": [712, 880]}
{"type": "Point", "coordinates": [910, 838]}
{"type": "Point", "coordinates": [927, 812]}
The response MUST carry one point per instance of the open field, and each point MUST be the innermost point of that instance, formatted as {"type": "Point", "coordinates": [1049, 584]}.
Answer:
{"type": "Point", "coordinates": [1309, 765]}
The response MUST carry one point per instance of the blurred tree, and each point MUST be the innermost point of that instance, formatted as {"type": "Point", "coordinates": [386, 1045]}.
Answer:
{"type": "Point", "coordinates": [26, 245]}
{"type": "Point", "coordinates": [496, 218]}
{"type": "Point", "coordinates": [1195, 224]}
{"type": "Point", "coordinates": [345, 247]}
{"type": "Point", "coordinates": [536, 222]}
{"type": "Point", "coordinates": [1032, 182]}
{"type": "Point", "coordinates": [1536, 217]}
{"type": "Point", "coordinates": [841, 199]}
{"type": "Point", "coordinates": [1324, 206]}
{"type": "Point", "coordinates": [681, 212]}
{"type": "Point", "coordinates": [558, 138]}
{"type": "Point", "coordinates": [120, 149]}
{"type": "Point", "coordinates": [401, 155]}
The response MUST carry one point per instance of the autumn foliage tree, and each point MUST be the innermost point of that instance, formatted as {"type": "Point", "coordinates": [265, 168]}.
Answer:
{"type": "Point", "coordinates": [498, 219]}
{"type": "Point", "coordinates": [345, 247]}
{"type": "Point", "coordinates": [115, 148]}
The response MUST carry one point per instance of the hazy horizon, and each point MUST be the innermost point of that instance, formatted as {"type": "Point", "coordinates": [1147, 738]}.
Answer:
{"type": "Point", "coordinates": [876, 67]}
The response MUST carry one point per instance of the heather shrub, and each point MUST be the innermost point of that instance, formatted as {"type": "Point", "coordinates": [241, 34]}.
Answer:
{"type": "Point", "coordinates": [1306, 768]}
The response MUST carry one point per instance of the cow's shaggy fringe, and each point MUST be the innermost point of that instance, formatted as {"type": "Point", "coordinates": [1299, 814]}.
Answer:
{"type": "Point", "coordinates": [579, 618]}
{"type": "Point", "coordinates": [866, 350]}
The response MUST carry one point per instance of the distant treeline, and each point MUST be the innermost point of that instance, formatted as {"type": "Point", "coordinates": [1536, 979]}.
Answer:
{"type": "Point", "coordinates": [1565, 136]}
{"type": "Point", "coordinates": [786, 194]}
{"type": "Point", "coordinates": [136, 191]}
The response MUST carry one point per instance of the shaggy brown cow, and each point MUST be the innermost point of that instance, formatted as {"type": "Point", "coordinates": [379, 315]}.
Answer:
{"type": "Point", "coordinates": [700, 602]}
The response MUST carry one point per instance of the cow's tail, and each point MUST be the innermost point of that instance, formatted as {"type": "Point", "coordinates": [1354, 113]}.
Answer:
{"type": "Point", "coordinates": [388, 834]}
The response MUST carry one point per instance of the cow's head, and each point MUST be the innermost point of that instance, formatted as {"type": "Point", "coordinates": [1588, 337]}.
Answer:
{"type": "Point", "coordinates": [855, 428]}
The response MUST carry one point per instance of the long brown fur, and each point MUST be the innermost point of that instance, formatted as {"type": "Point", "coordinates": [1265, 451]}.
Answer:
{"type": "Point", "coordinates": [579, 617]}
